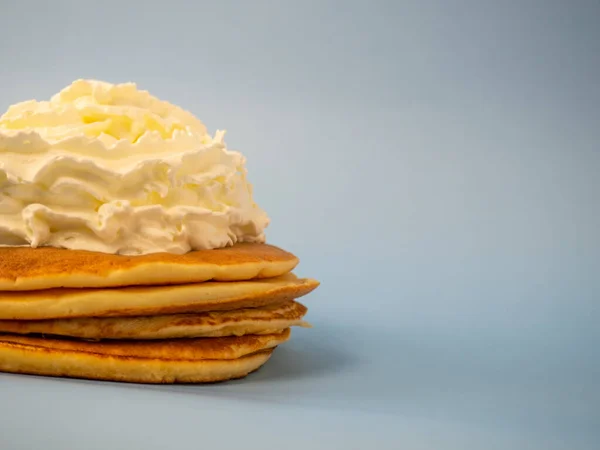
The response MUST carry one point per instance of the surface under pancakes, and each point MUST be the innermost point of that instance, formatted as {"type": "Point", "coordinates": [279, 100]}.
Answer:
{"type": "Point", "coordinates": [266, 320]}
{"type": "Point", "coordinates": [151, 300]}
{"type": "Point", "coordinates": [24, 268]}
{"type": "Point", "coordinates": [169, 361]}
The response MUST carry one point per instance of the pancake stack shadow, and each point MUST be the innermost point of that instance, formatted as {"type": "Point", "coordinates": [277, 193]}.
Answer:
{"type": "Point", "coordinates": [205, 316]}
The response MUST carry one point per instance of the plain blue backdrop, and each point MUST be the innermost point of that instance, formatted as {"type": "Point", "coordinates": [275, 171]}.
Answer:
{"type": "Point", "coordinates": [434, 163]}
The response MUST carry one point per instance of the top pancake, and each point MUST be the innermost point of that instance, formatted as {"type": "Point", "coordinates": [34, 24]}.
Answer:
{"type": "Point", "coordinates": [24, 268]}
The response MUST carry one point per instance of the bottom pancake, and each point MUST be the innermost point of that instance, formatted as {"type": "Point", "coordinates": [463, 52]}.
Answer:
{"type": "Point", "coordinates": [171, 361]}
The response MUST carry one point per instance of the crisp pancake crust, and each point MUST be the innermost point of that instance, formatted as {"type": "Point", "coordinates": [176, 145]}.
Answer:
{"type": "Point", "coordinates": [24, 268]}
{"type": "Point", "coordinates": [170, 361]}
{"type": "Point", "coordinates": [151, 300]}
{"type": "Point", "coordinates": [230, 347]}
{"type": "Point", "coordinates": [266, 320]}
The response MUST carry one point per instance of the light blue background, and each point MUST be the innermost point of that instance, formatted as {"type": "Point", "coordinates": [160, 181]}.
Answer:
{"type": "Point", "coordinates": [434, 164]}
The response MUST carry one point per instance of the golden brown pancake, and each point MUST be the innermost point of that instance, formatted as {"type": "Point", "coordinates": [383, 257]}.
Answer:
{"type": "Point", "coordinates": [171, 361]}
{"type": "Point", "coordinates": [24, 268]}
{"type": "Point", "coordinates": [266, 320]}
{"type": "Point", "coordinates": [151, 300]}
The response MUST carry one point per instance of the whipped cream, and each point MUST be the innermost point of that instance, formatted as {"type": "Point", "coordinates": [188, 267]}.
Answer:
{"type": "Point", "coordinates": [110, 168]}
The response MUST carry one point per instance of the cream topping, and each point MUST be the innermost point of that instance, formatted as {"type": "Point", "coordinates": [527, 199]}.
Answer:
{"type": "Point", "coordinates": [110, 168]}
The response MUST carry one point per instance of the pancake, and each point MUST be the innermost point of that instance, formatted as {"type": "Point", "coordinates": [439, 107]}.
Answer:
{"type": "Point", "coordinates": [25, 268]}
{"type": "Point", "coordinates": [171, 361]}
{"type": "Point", "coordinates": [151, 300]}
{"type": "Point", "coordinates": [266, 320]}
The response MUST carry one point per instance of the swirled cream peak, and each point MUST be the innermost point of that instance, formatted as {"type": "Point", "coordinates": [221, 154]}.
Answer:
{"type": "Point", "coordinates": [110, 168]}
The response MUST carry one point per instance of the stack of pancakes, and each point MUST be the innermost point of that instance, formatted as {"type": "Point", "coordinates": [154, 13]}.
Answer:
{"type": "Point", "coordinates": [208, 315]}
